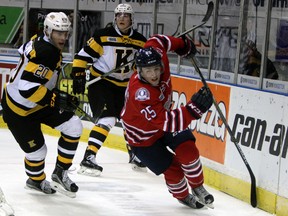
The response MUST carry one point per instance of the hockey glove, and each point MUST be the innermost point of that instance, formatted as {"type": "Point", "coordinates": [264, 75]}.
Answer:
{"type": "Point", "coordinates": [64, 101]}
{"type": "Point", "coordinates": [189, 49]}
{"type": "Point", "coordinates": [79, 81]}
{"type": "Point", "coordinates": [200, 102]}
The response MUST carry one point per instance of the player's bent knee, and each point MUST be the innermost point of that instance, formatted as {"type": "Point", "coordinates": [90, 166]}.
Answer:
{"type": "Point", "coordinates": [108, 121]}
{"type": "Point", "coordinates": [38, 155]}
{"type": "Point", "coordinates": [187, 151]}
{"type": "Point", "coordinates": [73, 127]}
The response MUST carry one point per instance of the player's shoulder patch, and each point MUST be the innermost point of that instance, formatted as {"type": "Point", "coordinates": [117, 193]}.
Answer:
{"type": "Point", "coordinates": [142, 94]}
{"type": "Point", "coordinates": [112, 39]}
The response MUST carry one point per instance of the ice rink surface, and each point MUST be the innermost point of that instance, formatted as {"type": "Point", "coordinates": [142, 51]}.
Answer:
{"type": "Point", "coordinates": [118, 191]}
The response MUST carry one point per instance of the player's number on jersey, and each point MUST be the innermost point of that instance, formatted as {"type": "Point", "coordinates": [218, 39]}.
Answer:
{"type": "Point", "coordinates": [148, 113]}
{"type": "Point", "coordinates": [41, 71]}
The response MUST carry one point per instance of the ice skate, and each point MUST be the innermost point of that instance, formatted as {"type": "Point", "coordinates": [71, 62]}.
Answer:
{"type": "Point", "coordinates": [43, 186]}
{"type": "Point", "coordinates": [88, 165]}
{"type": "Point", "coordinates": [136, 164]}
{"type": "Point", "coordinates": [191, 201]}
{"type": "Point", "coordinates": [204, 196]}
{"type": "Point", "coordinates": [5, 208]}
{"type": "Point", "coordinates": [62, 183]}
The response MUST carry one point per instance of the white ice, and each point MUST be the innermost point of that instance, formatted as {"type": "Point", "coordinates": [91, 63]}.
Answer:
{"type": "Point", "coordinates": [119, 191]}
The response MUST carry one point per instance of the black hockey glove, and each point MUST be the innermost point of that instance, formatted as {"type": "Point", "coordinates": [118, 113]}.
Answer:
{"type": "Point", "coordinates": [200, 102]}
{"type": "Point", "coordinates": [189, 49]}
{"type": "Point", "coordinates": [64, 101]}
{"type": "Point", "coordinates": [79, 81]}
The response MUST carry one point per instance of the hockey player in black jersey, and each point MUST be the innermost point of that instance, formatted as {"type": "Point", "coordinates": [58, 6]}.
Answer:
{"type": "Point", "coordinates": [31, 99]}
{"type": "Point", "coordinates": [106, 50]}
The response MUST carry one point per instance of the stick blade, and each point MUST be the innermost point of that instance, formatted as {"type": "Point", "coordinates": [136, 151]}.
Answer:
{"type": "Point", "coordinates": [253, 195]}
{"type": "Point", "coordinates": [253, 192]}
{"type": "Point", "coordinates": [209, 11]}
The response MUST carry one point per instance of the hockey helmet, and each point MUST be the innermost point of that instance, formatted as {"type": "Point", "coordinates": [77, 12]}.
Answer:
{"type": "Point", "coordinates": [147, 57]}
{"type": "Point", "coordinates": [56, 21]}
{"type": "Point", "coordinates": [124, 8]}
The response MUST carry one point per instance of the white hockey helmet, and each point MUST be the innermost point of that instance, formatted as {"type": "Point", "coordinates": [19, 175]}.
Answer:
{"type": "Point", "coordinates": [124, 8]}
{"type": "Point", "coordinates": [56, 21]}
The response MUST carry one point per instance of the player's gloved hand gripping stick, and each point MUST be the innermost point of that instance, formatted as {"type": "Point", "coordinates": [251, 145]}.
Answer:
{"type": "Point", "coordinates": [253, 197]}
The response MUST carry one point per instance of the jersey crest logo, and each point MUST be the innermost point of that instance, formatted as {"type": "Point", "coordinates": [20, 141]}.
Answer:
{"type": "Point", "coordinates": [162, 90]}
{"type": "Point", "coordinates": [142, 94]}
{"type": "Point", "coordinates": [126, 40]}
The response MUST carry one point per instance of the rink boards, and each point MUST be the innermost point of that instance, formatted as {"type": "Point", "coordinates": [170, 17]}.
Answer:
{"type": "Point", "coordinates": [258, 120]}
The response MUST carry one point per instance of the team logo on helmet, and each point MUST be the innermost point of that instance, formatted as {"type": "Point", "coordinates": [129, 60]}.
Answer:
{"type": "Point", "coordinates": [147, 57]}
{"type": "Point", "coordinates": [124, 8]}
{"type": "Point", "coordinates": [57, 21]}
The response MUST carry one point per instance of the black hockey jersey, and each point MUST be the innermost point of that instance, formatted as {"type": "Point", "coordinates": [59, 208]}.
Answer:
{"type": "Point", "coordinates": [31, 82]}
{"type": "Point", "coordinates": [107, 50]}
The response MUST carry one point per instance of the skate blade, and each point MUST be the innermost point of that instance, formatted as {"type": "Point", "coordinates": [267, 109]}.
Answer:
{"type": "Point", "coordinates": [186, 204]}
{"type": "Point", "coordinates": [209, 205]}
{"type": "Point", "coordinates": [32, 189]}
{"type": "Point", "coordinates": [6, 209]}
{"type": "Point", "coordinates": [89, 172]}
{"type": "Point", "coordinates": [36, 190]}
{"type": "Point", "coordinates": [58, 187]}
{"type": "Point", "coordinates": [139, 169]}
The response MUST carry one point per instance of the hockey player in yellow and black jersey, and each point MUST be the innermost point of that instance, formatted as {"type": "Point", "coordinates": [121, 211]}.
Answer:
{"type": "Point", "coordinates": [31, 99]}
{"type": "Point", "coordinates": [106, 50]}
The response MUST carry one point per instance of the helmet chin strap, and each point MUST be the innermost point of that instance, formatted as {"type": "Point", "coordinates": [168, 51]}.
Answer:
{"type": "Point", "coordinates": [47, 36]}
{"type": "Point", "coordinates": [126, 28]}
{"type": "Point", "coordinates": [119, 31]}
{"type": "Point", "coordinates": [48, 39]}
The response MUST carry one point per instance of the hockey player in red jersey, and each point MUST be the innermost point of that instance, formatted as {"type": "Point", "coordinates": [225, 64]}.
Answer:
{"type": "Point", "coordinates": [151, 126]}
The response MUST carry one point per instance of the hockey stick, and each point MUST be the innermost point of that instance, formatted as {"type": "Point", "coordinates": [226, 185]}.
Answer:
{"type": "Point", "coordinates": [83, 113]}
{"type": "Point", "coordinates": [253, 197]}
{"type": "Point", "coordinates": [107, 74]}
{"type": "Point", "coordinates": [204, 20]}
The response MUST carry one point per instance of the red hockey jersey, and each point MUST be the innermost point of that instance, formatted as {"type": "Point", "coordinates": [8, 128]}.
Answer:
{"type": "Point", "coordinates": [147, 112]}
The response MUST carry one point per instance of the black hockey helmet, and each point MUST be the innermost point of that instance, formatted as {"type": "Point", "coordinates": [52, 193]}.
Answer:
{"type": "Point", "coordinates": [147, 57]}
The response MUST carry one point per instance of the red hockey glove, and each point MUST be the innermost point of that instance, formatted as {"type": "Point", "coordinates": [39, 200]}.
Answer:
{"type": "Point", "coordinates": [200, 102]}
{"type": "Point", "coordinates": [189, 49]}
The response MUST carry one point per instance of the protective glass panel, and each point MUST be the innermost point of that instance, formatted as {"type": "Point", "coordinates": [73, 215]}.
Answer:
{"type": "Point", "coordinates": [224, 52]}
{"type": "Point", "coordinates": [278, 43]}
{"type": "Point", "coordinates": [252, 40]}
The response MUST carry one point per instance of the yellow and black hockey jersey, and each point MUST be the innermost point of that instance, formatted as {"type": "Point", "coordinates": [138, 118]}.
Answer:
{"type": "Point", "coordinates": [31, 82]}
{"type": "Point", "coordinates": [106, 50]}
